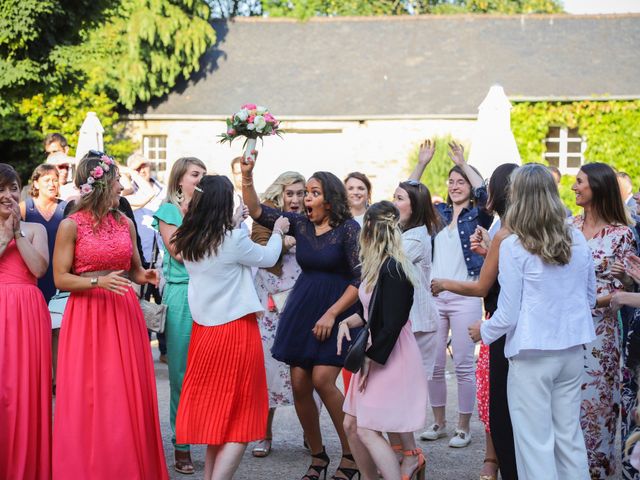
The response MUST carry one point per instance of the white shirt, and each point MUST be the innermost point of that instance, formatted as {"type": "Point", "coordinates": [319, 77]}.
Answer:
{"type": "Point", "coordinates": [542, 306]}
{"type": "Point", "coordinates": [417, 247]}
{"type": "Point", "coordinates": [221, 287]}
{"type": "Point", "coordinates": [448, 259]}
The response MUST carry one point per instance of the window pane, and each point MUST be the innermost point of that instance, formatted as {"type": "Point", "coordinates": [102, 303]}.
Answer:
{"type": "Point", "coordinates": [574, 147]}
{"type": "Point", "coordinates": [553, 147]}
{"type": "Point", "coordinates": [573, 133]}
{"type": "Point", "coordinates": [162, 154]}
{"type": "Point", "coordinates": [553, 161]}
{"type": "Point", "coordinates": [574, 161]}
{"type": "Point", "coordinates": [554, 132]}
{"type": "Point", "coordinates": [162, 142]}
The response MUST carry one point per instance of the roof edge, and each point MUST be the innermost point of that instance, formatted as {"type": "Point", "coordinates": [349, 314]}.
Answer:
{"type": "Point", "coordinates": [306, 118]}
{"type": "Point", "coordinates": [433, 17]}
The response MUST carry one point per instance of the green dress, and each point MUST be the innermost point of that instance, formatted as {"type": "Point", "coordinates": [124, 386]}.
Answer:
{"type": "Point", "coordinates": [178, 325]}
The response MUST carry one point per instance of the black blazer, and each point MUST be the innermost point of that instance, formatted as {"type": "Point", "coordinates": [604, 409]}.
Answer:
{"type": "Point", "coordinates": [390, 310]}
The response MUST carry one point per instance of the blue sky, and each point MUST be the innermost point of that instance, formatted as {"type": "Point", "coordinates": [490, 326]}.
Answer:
{"type": "Point", "coordinates": [601, 6]}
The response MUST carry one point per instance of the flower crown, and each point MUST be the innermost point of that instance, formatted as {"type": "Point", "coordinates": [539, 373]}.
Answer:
{"type": "Point", "coordinates": [96, 176]}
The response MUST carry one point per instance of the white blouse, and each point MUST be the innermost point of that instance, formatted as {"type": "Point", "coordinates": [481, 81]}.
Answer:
{"type": "Point", "coordinates": [417, 247]}
{"type": "Point", "coordinates": [542, 306]}
{"type": "Point", "coordinates": [221, 287]}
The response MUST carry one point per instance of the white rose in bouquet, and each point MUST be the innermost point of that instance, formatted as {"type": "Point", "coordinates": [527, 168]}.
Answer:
{"type": "Point", "coordinates": [260, 123]}
{"type": "Point", "coordinates": [242, 115]}
{"type": "Point", "coordinates": [260, 110]}
{"type": "Point", "coordinates": [251, 126]}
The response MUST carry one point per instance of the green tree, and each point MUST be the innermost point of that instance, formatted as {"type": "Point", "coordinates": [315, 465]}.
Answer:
{"type": "Point", "coordinates": [61, 59]}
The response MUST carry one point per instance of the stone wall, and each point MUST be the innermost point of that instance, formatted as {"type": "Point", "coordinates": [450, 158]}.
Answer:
{"type": "Point", "coordinates": [378, 147]}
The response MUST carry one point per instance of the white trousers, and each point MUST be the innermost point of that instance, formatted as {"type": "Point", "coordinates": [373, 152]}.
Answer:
{"type": "Point", "coordinates": [544, 392]}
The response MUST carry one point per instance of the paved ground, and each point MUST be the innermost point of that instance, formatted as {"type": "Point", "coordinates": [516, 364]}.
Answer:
{"type": "Point", "coordinates": [289, 460]}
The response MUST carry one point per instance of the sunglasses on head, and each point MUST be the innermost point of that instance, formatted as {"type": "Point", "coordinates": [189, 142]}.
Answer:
{"type": "Point", "coordinates": [413, 183]}
{"type": "Point", "coordinates": [97, 153]}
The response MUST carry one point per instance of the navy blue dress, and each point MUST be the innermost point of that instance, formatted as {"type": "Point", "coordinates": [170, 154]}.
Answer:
{"type": "Point", "coordinates": [45, 284]}
{"type": "Point", "coordinates": [329, 264]}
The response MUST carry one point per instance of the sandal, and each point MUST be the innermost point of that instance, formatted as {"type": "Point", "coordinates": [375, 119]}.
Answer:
{"type": "Point", "coordinates": [262, 448]}
{"type": "Point", "coordinates": [397, 449]}
{"type": "Point", "coordinates": [183, 463]}
{"type": "Point", "coordinates": [493, 476]}
{"type": "Point", "coordinates": [418, 473]}
{"type": "Point", "coordinates": [318, 469]}
{"type": "Point", "coordinates": [348, 472]}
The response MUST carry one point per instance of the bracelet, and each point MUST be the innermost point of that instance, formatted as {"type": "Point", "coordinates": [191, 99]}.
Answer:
{"type": "Point", "coordinates": [250, 184]}
{"type": "Point", "coordinates": [278, 231]}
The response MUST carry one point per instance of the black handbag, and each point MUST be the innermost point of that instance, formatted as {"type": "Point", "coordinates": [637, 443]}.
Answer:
{"type": "Point", "coordinates": [355, 355]}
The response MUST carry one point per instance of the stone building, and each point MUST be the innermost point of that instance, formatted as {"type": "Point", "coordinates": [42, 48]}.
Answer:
{"type": "Point", "coordinates": [361, 93]}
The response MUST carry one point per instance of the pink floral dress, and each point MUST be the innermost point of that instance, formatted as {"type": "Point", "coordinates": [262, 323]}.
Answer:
{"type": "Point", "coordinates": [601, 391]}
{"type": "Point", "coordinates": [267, 284]}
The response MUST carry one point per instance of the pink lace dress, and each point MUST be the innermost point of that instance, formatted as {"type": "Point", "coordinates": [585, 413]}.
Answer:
{"type": "Point", "coordinates": [25, 372]}
{"type": "Point", "coordinates": [106, 414]}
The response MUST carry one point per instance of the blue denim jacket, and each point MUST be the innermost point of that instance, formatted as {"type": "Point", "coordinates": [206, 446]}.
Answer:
{"type": "Point", "coordinates": [468, 220]}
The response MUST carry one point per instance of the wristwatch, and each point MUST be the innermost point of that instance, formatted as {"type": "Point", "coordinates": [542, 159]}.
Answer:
{"type": "Point", "coordinates": [19, 234]}
{"type": "Point", "coordinates": [94, 282]}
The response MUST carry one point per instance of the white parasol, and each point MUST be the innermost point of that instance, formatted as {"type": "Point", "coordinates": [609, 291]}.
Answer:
{"type": "Point", "coordinates": [493, 143]}
{"type": "Point", "coordinates": [90, 137]}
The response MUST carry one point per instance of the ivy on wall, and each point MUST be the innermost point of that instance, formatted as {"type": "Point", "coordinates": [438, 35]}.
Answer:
{"type": "Point", "coordinates": [610, 128]}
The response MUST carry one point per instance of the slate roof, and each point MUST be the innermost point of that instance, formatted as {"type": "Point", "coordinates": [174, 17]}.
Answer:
{"type": "Point", "coordinates": [396, 66]}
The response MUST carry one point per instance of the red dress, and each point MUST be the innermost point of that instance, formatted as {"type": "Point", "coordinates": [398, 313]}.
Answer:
{"type": "Point", "coordinates": [25, 375]}
{"type": "Point", "coordinates": [106, 418]}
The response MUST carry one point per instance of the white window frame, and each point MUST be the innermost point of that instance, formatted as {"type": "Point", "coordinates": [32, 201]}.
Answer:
{"type": "Point", "coordinates": [563, 154]}
{"type": "Point", "coordinates": [152, 152]}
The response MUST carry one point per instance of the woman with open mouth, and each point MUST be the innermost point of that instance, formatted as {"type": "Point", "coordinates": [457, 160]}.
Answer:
{"type": "Point", "coordinates": [325, 293]}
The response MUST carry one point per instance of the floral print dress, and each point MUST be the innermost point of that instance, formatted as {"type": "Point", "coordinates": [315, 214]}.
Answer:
{"type": "Point", "coordinates": [601, 391]}
{"type": "Point", "coordinates": [267, 284]}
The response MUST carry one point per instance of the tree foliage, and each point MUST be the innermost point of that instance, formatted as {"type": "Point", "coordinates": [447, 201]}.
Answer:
{"type": "Point", "coordinates": [61, 59]}
{"type": "Point", "coordinates": [305, 9]}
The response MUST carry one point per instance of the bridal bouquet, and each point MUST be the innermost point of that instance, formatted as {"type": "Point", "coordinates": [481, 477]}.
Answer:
{"type": "Point", "coordinates": [252, 122]}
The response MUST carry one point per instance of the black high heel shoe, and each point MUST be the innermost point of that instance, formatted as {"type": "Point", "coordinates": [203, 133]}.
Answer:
{"type": "Point", "coordinates": [318, 469]}
{"type": "Point", "coordinates": [348, 473]}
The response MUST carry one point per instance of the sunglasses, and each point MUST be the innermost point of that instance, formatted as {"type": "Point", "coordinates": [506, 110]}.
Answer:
{"type": "Point", "coordinates": [413, 183]}
{"type": "Point", "coordinates": [97, 153]}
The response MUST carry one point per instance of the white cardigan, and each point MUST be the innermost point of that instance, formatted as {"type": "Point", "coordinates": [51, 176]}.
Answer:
{"type": "Point", "coordinates": [542, 306]}
{"type": "Point", "coordinates": [221, 287]}
{"type": "Point", "coordinates": [417, 247]}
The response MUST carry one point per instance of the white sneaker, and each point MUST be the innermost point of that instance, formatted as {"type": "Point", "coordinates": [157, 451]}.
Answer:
{"type": "Point", "coordinates": [434, 432]}
{"type": "Point", "coordinates": [460, 439]}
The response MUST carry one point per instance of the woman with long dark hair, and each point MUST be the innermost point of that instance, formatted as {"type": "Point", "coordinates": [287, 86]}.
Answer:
{"type": "Point", "coordinates": [105, 369]}
{"type": "Point", "coordinates": [604, 223]}
{"type": "Point", "coordinates": [325, 293]}
{"type": "Point", "coordinates": [389, 393]}
{"type": "Point", "coordinates": [25, 343]}
{"type": "Point", "coordinates": [185, 175]}
{"type": "Point", "coordinates": [224, 395]}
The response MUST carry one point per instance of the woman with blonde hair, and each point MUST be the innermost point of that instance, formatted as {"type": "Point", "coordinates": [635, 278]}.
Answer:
{"type": "Point", "coordinates": [273, 285]}
{"type": "Point", "coordinates": [106, 397]}
{"type": "Point", "coordinates": [389, 392]}
{"type": "Point", "coordinates": [544, 308]}
{"type": "Point", "coordinates": [185, 175]}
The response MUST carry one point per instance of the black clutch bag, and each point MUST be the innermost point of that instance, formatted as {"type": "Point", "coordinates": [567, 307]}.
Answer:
{"type": "Point", "coordinates": [355, 355]}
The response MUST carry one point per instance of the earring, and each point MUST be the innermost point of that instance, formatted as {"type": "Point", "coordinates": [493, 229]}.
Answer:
{"type": "Point", "coordinates": [179, 195]}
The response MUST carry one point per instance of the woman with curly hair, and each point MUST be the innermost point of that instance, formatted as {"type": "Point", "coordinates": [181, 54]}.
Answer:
{"type": "Point", "coordinates": [325, 293]}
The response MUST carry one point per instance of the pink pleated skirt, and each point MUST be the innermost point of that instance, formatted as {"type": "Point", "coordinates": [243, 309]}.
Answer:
{"type": "Point", "coordinates": [224, 393]}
